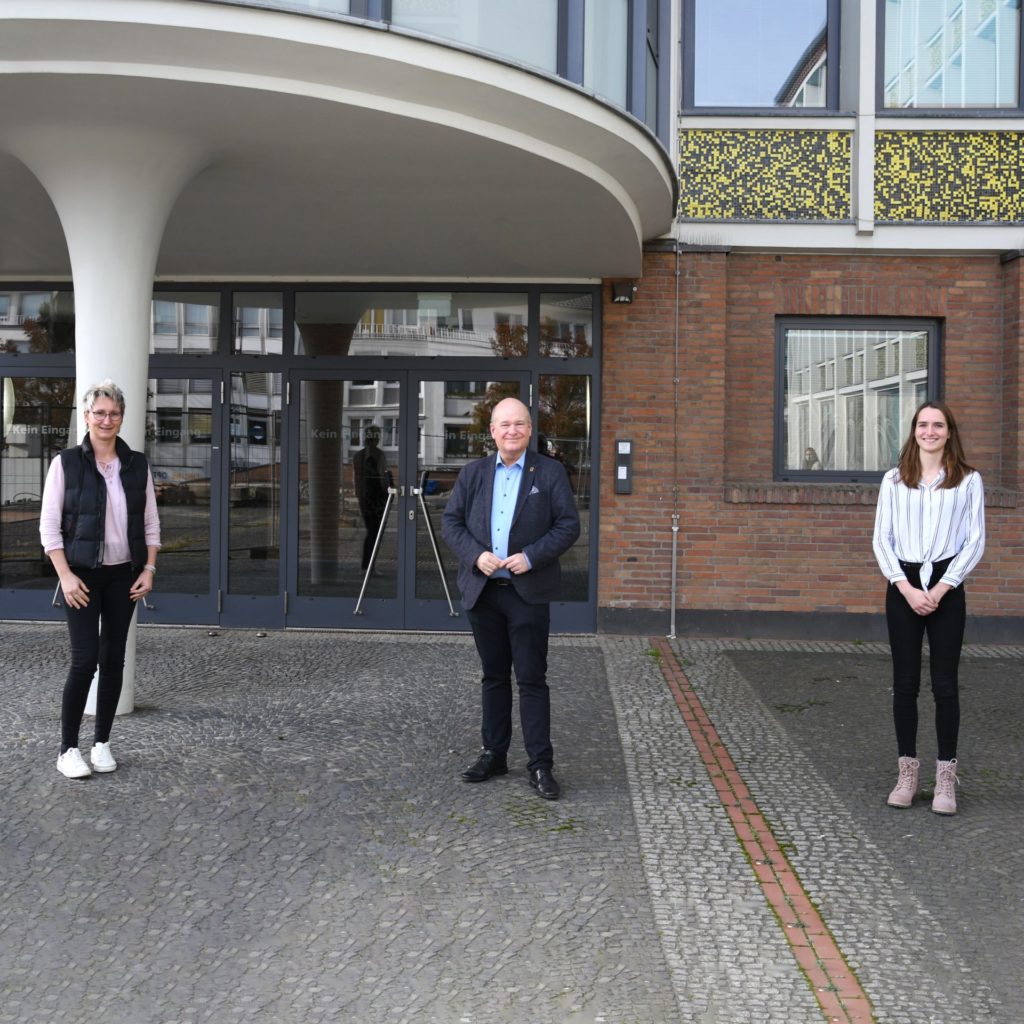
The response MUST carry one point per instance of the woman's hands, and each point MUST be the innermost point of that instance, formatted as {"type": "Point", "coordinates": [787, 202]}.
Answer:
{"type": "Point", "coordinates": [924, 602]}
{"type": "Point", "coordinates": [142, 586]}
{"type": "Point", "coordinates": [76, 593]}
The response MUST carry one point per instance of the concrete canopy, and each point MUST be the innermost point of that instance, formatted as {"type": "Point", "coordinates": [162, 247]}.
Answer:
{"type": "Point", "coordinates": [328, 148]}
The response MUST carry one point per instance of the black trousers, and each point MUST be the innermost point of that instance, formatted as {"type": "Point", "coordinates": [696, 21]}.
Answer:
{"type": "Point", "coordinates": [510, 633]}
{"type": "Point", "coordinates": [99, 635]}
{"type": "Point", "coordinates": [945, 631]}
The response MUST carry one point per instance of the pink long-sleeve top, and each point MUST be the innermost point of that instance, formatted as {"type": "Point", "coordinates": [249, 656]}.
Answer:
{"type": "Point", "coordinates": [115, 537]}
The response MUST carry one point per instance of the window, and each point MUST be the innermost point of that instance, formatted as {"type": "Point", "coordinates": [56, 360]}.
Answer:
{"type": "Point", "coordinates": [461, 324]}
{"type": "Point", "coordinates": [951, 54]}
{"type": "Point", "coordinates": [168, 427]}
{"type": "Point", "coordinates": [259, 323]}
{"type": "Point", "coordinates": [761, 53]}
{"type": "Point", "coordinates": [845, 393]}
{"type": "Point", "coordinates": [567, 325]}
{"type": "Point", "coordinates": [605, 26]}
{"type": "Point", "coordinates": [185, 323]}
{"type": "Point", "coordinates": [525, 30]}
{"type": "Point", "coordinates": [44, 322]}
{"type": "Point", "coordinates": [165, 317]}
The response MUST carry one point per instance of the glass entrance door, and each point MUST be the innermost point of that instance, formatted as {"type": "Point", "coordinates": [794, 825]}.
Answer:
{"type": "Point", "coordinates": [453, 417]}
{"type": "Point", "coordinates": [347, 451]}
{"type": "Point", "coordinates": [374, 461]}
{"type": "Point", "coordinates": [183, 417]}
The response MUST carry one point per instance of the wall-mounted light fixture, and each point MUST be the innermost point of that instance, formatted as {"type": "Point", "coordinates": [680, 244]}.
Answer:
{"type": "Point", "coordinates": [623, 291]}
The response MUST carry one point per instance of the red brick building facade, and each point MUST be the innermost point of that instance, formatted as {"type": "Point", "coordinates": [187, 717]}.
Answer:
{"type": "Point", "coordinates": [688, 371]}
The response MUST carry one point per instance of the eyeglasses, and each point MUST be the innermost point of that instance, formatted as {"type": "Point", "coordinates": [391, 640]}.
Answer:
{"type": "Point", "coordinates": [114, 417]}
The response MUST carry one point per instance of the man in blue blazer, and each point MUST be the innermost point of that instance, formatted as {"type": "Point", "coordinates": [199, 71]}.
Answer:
{"type": "Point", "coordinates": [510, 517]}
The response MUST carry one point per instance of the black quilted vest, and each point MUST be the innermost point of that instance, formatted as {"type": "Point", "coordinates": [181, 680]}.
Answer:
{"type": "Point", "coordinates": [85, 505]}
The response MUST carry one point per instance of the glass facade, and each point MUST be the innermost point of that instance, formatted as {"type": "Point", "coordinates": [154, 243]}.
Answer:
{"type": "Point", "coordinates": [258, 323]}
{"type": "Point", "coordinates": [463, 324]}
{"type": "Point", "coordinates": [849, 393]}
{"type": "Point", "coordinates": [952, 53]}
{"type": "Point", "coordinates": [185, 323]}
{"type": "Point", "coordinates": [605, 26]}
{"type": "Point", "coordinates": [773, 53]}
{"type": "Point", "coordinates": [38, 420]}
{"type": "Point", "coordinates": [524, 30]}
{"type": "Point", "coordinates": [616, 48]}
{"type": "Point", "coordinates": [35, 322]}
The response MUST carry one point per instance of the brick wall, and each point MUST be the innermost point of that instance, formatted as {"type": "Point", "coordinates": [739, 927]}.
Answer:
{"type": "Point", "coordinates": [697, 400]}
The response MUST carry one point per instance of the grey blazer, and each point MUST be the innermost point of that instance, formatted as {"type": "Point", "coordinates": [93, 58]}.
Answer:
{"type": "Point", "coordinates": [545, 524]}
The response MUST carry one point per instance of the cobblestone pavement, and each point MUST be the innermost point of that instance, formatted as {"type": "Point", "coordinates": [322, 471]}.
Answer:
{"type": "Point", "coordinates": [286, 839]}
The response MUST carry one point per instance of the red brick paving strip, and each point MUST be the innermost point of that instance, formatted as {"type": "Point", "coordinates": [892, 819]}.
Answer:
{"type": "Point", "coordinates": [834, 984]}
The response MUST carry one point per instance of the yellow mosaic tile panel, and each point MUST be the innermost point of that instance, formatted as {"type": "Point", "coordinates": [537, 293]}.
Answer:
{"type": "Point", "coordinates": [770, 174]}
{"type": "Point", "coordinates": [949, 177]}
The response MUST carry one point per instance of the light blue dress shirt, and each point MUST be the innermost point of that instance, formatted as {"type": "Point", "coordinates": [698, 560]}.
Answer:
{"type": "Point", "coordinates": [503, 505]}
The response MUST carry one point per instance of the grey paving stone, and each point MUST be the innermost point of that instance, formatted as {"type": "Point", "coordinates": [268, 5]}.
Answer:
{"type": "Point", "coordinates": [286, 840]}
{"type": "Point", "coordinates": [927, 909]}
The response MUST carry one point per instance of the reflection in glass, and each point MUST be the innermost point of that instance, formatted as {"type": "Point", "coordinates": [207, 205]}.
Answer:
{"type": "Point", "coordinates": [314, 6]}
{"type": "Point", "coordinates": [605, 29]}
{"type": "Point", "coordinates": [254, 484]}
{"type": "Point", "coordinates": [567, 325]}
{"type": "Point", "coordinates": [34, 322]}
{"type": "Point", "coordinates": [178, 444]}
{"type": "Point", "coordinates": [38, 414]}
{"type": "Point", "coordinates": [875, 378]}
{"type": "Point", "coordinates": [258, 323]}
{"type": "Point", "coordinates": [185, 323]}
{"type": "Point", "coordinates": [941, 54]}
{"type": "Point", "coordinates": [411, 324]}
{"type": "Point", "coordinates": [348, 466]}
{"type": "Point", "coordinates": [563, 433]}
{"type": "Point", "coordinates": [525, 30]}
{"type": "Point", "coordinates": [767, 54]}
{"type": "Point", "coordinates": [455, 418]}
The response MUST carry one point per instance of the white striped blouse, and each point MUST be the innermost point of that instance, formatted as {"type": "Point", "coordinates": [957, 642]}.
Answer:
{"type": "Point", "coordinates": [929, 523]}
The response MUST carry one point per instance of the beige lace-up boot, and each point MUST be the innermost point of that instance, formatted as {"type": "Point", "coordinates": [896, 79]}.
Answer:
{"type": "Point", "coordinates": [944, 801]}
{"type": "Point", "coordinates": [906, 785]}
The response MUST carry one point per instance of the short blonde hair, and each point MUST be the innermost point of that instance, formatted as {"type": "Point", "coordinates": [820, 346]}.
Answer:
{"type": "Point", "coordinates": [105, 389]}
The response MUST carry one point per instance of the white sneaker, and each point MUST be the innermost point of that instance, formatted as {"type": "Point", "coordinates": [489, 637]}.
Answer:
{"type": "Point", "coordinates": [71, 765]}
{"type": "Point", "coordinates": [101, 757]}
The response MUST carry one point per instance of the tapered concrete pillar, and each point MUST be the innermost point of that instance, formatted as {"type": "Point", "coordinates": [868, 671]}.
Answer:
{"type": "Point", "coordinates": [113, 188]}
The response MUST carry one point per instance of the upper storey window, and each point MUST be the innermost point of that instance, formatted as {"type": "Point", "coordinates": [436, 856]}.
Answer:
{"type": "Point", "coordinates": [319, 6]}
{"type": "Point", "coordinates": [525, 30]}
{"type": "Point", "coordinates": [952, 54]}
{"type": "Point", "coordinates": [743, 54]}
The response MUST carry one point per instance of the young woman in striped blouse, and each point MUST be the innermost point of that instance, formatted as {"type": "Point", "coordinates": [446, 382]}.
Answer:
{"type": "Point", "coordinates": [929, 534]}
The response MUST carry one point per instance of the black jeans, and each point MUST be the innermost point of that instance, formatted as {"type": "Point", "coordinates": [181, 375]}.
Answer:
{"type": "Point", "coordinates": [511, 633]}
{"type": "Point", "coordinates": [945, 630]}
{"type": "Point", "coordinates": [99, 635]}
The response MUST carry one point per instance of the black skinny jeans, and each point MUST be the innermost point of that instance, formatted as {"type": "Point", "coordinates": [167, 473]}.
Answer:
{"type": "Point", "coordinates": [99, 635]}
{"type": "Point", "coordinates": [945, 629]}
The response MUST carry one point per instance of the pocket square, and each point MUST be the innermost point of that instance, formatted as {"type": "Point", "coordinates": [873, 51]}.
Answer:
{"type": "Point", "coordinates": [533, 490]}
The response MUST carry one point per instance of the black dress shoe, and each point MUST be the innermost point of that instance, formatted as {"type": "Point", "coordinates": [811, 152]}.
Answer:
{"type": "Point", "coordinates": [487, 764]}
{"type": "Point", "coordinates": [544, 782]}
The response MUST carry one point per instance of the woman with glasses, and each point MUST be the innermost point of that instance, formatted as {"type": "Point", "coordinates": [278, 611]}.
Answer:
{"type": "Point", "coordinates": [100, 529]}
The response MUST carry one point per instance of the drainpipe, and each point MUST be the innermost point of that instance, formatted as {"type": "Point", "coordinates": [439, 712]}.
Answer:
{"type": "Point", "coordinates": [675, 461]}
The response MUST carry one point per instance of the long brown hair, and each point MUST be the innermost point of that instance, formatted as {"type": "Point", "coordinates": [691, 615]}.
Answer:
{"type": "Point", "coordinates": [953, 461]}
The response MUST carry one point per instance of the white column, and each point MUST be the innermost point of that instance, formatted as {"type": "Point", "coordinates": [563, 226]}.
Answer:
{"type": "Point", "coordinates": [113, 188]}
